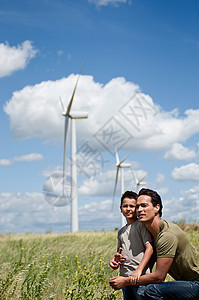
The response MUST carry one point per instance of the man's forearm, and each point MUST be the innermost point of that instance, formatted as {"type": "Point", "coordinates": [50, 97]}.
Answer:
{"type": "Point", "coordinates": [120, 282]}
{"type": "Point", "coordinates": [158, 276]}
{"type": "Point", "coordinates": [153, 277]}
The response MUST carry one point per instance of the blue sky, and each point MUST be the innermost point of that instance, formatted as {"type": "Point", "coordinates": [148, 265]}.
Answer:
{"type": "Point", "coordinates": [140, 53]}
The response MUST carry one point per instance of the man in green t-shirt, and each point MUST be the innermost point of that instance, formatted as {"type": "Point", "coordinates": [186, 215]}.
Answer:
{"type": "Point", "coordinates": [175, 256]}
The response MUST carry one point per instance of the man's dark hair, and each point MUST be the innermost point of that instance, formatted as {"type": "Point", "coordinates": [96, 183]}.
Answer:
{"type": "Point", "coordinates": [130, 195]}
{"type": "Point", "coordinates": [155, 198]}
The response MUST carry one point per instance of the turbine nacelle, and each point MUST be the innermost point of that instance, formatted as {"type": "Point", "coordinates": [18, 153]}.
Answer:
{"type": "Point", "coordinates": [120, 164]}
{"type": "Point", "coordinates": [76, 115]}
{"type": "Point", "coordinates": [140, 182]}
{"type": "Point", "coordinates": [123, 165]}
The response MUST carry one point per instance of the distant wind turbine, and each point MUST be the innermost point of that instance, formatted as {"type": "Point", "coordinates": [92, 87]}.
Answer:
{"type": "Point", "coordinates": [140, 182]}
{"type": "Point", "coordinates": [120, 166]}
{"type": "Point", "coordinates": [72, 115]}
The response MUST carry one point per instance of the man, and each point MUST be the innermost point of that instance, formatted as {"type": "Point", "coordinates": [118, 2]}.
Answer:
{"type": "Point", "coordinates": [175, 255]}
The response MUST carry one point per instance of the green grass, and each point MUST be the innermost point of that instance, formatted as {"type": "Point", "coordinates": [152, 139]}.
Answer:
{"type": "Point", "coordinates": [57, 266]}
{"type": "Point", "coordinates": [61, 266]}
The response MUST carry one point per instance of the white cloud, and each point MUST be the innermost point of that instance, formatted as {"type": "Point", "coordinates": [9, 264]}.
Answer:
{"type": "Point", "coordinates": [162, 191]}
{"type": "Point", "coordinates": [96, 183]}
{"type": "Point", "coordinates": [160, 178]}
{"type": "Point", "coordinates": [186, 172]}
{"type": "Point", "coordinates": [90, 161]}
{"type": "Point", "coordinates": [24, 158]}
{"type": "Point", "coordinates": [15, 58]}
{"type": "Point", "coordinates": [107, 2]}
{"type": "Point", "coordinates": [60, 52]}
{"type": "Point", "coordinates": [52, 170]}
{"type": "Point", "coordinates": [29, 157]}
{"type": "Point", "coordinates": [5, 162]}
{"type": "Point", "coordinates": [35, 111]}
{"type": "Point", "coordinates": [161, 131]}
{"type": "Point", "coordinates": [95, 210]}
{"type": "Point", "coordinates": [29, 212]}
{"type": "Point", "coordinates": [186, 207]}
{"type": "Point", "coordinates": [104, 182]}
{"type": "Point", "coordinates": [179, 152]}
{"type": "Point", "coordinates": [57, 191]}
{"type": "Point", "coordinates": [157, 184]}
{"type": "Point", "coordinates": [119, 115]}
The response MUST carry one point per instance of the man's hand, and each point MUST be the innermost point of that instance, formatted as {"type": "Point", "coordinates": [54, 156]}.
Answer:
{"type": "Point", "coordinates": [119, 282]}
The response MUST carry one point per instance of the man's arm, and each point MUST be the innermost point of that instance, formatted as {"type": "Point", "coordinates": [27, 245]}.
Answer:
{"type": "Point", "coordinates": [158, 276]}
{"type": "Point", "coordinates": [163, 265]}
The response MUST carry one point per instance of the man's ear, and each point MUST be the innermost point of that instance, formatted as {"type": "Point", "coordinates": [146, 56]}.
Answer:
{"type": "Point", "coordinates": [157, 208]}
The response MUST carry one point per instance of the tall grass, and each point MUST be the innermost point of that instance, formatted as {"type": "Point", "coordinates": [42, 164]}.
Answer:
{"type": "Point", "coordinates": [57, 266]}
{"type": "Point", "coordinates": [60, 266]}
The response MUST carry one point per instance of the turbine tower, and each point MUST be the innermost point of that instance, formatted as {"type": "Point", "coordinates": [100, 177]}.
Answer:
{"type": "Point", "coordinates": [140, 182]}
{"type": "Point", "coordinates": [120, 167]}
{"type": "Point", "coordinates": [73, 116]}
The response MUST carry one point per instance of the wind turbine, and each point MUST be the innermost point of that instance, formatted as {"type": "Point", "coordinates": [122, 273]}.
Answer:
{"type": "Point", "coordinates": [120, 167]}
{"type": "Point", "coordinates": [140, 182]}
{"type": "Point", "coordinates": [72, 115]}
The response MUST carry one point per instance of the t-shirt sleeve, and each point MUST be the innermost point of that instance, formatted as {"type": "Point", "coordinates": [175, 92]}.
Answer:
{"type": "Point", "coordinates": [166, 245]}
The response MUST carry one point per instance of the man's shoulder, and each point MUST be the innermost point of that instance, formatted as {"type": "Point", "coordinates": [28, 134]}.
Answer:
{"type": "Point", "coordinates": [168, 228]}
{"type": "Point", "coordinates": [168, 235]}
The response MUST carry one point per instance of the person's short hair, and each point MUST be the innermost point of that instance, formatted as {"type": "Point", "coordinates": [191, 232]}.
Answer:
{"type": "Point", "coordinates": [155, 198]}
{"type": "Point", "coordinates": [130, 195]}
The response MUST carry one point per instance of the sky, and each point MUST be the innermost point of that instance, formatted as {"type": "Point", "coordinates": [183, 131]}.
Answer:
{"type": "Point", "coordinates": [139, 85]}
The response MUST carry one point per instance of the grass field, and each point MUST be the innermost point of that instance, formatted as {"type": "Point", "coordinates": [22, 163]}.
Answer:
{"type": "Point", "coordinates": [61, 266]}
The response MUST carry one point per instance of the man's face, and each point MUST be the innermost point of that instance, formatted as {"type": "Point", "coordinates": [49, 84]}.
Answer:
{"type": "Point", "coordinates": [145, 209]}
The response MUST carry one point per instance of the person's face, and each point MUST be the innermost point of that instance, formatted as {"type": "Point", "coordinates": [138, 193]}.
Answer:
{"type": "Point", "coordinates": [145, 209]}
{"type": "Point", "coordinates": [128, 209]}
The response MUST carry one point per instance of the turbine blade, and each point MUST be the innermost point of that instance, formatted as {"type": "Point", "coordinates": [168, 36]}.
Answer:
{"type": "Point", "coordinates": [143, 178]}
{"type": "Point", "coordinates": [116, 179]}
{"type": "Point", "coordinates": [73, 94]}
{"type": "Point", "coordinates": [117, 157]}
{"type": "Point", "coordinates": [125, 157]}
{"type": "Point", "coordinates": [139, 185]}
{"type": "Point", "coordinates": [134, 176]}
{"type": "Point", "coordinates": [62, 104]}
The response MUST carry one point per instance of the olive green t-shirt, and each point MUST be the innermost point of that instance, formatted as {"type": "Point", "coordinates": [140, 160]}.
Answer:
{"type": "Point", "coordinates": [171, 241]}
